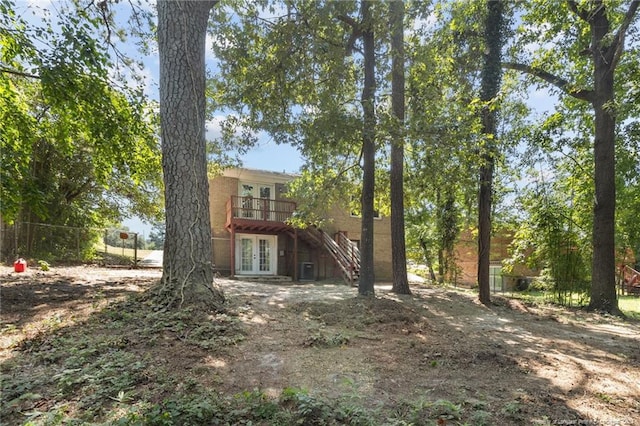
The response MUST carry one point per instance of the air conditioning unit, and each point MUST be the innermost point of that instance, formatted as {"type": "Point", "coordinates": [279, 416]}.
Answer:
{"type": "Point", "coordinates": [306, 272]}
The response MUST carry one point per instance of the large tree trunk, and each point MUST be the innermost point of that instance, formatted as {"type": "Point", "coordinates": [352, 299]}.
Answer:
{"type": "Point", "coordinates": [603, 285]}
{"type": "Point", "coordinates": [485, 197]}
{"type": "Point", "coordinates": [188, 271]}
{"type": "Point", "coordinates": [367, 276]}
{"type": "Point", "coordinates": [398, 244]}
{"type": "Point", "coordinates": [491, 80]}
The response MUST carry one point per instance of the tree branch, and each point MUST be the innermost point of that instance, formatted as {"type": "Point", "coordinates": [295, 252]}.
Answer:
{"type": "Point", "coordinates": [562, 84]}
{"type": "Point", "coordinates": [349, 21]}
{"type": "Point", "coordinates": [620, 35]}
{"type": "Point", "coordinates": [343, 171]}
{"type": "Point", "coordinates": [18, 73]}
{"type": "Point", "coordinates": [584, 15]}
{"type": "Point", "coordinates": [356, 32]}
{"type": "Point", "coordinates": [330, 42]}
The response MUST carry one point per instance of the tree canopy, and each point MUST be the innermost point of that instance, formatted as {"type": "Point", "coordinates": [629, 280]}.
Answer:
{"type": "Point", "coordinates": [79, 144]}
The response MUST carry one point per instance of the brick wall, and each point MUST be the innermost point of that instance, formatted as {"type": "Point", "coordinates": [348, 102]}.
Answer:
{"type": "Point", "coordinates": [220, 189]}
{"type": "Point", "coordinates": [467, 256]}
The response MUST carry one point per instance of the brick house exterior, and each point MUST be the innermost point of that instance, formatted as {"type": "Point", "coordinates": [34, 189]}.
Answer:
{"type": "Point", "coordinates": [248, 211]}
{"type": "Point", "coordinates": [466, 252]}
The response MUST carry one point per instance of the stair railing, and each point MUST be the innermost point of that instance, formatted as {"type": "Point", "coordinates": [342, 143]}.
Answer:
{"type": "Point", "coordinates": [349, 247]}
{"type": "Point", "coordinates": [344, 252]}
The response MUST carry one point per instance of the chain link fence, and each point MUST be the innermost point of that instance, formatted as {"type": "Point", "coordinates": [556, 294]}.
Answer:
{"type": "Point", "coordinates": [70, 245]}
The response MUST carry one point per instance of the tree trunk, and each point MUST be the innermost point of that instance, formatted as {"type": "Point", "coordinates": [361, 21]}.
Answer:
{"type": "Point", "coordinates": [427, 259]}
{"type": "Point", "coordinates": [441, 266]}
{"type": "Point", "coordinates": [491, 80]}
{"type": "Point", "coordinates": [398, 245]}
{"type": "Point", "coordinates": [603, 285]}
{"type": "Point", "coordinates": [367, 276]}
{"type": "Point", "coordinates": [448, 227]}
{"type": "Point", "coordinates": [188, 271]}
{"type": "Point", "coordinates": [484, 227]}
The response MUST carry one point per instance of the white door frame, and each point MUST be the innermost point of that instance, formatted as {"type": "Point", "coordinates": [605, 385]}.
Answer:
{"type": "Point", "coordinates": [256, 254]}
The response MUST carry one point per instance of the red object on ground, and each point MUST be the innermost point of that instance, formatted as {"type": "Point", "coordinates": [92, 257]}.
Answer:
{"type": "Point", "coordinates": [20, 265]}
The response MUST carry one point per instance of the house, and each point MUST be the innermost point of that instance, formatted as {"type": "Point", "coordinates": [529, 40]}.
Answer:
{"type": "Point", "coordinates": [252, 237]}
{"type": "Point", "coordinates": [466, 253]}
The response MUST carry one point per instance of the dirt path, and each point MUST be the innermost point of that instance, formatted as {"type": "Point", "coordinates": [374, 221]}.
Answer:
{"type": "Point", "coordinates": [527, 365]}
{"type": "Point", "coordinates": [509, 364]}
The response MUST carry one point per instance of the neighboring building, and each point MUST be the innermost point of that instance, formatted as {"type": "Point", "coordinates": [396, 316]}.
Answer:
{"type": "Point", "coordinates": [467, 262]}
{"type": "Point", "coordinates": [251, 236]}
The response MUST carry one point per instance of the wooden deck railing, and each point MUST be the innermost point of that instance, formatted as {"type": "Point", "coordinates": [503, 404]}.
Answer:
{"type": "Point", "coordinates": [260, 209]}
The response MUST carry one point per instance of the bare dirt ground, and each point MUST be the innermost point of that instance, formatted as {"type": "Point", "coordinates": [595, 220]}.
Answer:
{"type": "Point", "coordinates": [507, 364]}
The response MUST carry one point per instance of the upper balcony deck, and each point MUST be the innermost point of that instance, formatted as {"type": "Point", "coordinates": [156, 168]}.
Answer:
{"type": "Point", "coordinates": [258, 214]}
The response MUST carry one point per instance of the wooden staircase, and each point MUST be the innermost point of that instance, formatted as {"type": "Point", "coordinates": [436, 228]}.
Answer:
{"type": "Point", "coordinates": [344, 252]}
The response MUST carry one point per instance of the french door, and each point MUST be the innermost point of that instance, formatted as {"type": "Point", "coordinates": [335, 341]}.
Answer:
{"type": "Point", "coordinates": [255, 254]}
{"type": "Point", "coordinates": [256, 200]}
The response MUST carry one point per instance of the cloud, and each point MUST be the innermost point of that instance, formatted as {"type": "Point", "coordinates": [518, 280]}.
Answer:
{"type": "Point", "coordinates": [214, 127]}
{"type": "Point", "coordinates": [150, 82]}
{"type": "Point", "coordinates": [427, 23]}
{"type": "Point", "coordinates": [209, 47]}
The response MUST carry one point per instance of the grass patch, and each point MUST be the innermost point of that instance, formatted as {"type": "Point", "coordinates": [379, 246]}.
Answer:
{"type": "Point", "coordinates": [630, 306]}
{"type": "Point", "coordinates": [133, 363]}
